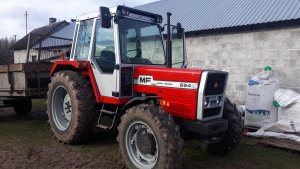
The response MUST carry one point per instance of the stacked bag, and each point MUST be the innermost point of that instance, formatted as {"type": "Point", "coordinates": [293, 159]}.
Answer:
{"type": "Point", "coordinates": [260, 91]}
{"type": "Point", "coordinates": [288, 103]}
{"type": "Point", "coordinates": [263, 99]}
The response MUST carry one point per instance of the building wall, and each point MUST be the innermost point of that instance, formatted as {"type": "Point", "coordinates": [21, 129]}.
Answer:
{"type": "Point", "coordinates": [244, 54]}
{"type": "Point", "coordinates": [20, 55]}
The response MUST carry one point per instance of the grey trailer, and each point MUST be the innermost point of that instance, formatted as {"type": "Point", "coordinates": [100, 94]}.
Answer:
{"type": "Point", "coordinates": [19, 83]}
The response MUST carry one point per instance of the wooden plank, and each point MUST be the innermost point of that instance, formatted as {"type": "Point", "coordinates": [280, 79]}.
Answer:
{"type": "Point", "coordinates": [38, 67]}
{"type": "Point", "coordinates": [29, 67]}
{"type": "Point", "coordinates": [8, 93]}
{"type": "Point", "coordinates": [282, 143]}
{"type": "Point", "coordinates": [250, 129]}
{"type": "Point", "coordinates": [3, 68]}
{"type": "Point", "coordinates": [18, 67]}
{"type": "Point", "coordinates": [251, 141]}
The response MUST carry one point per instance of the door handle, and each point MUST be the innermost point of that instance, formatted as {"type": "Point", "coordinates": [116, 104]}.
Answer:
{"type": "Point", "coordinates": [93, 66]}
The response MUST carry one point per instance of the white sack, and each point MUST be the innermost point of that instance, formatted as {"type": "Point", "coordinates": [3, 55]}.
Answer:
{"type": "Point", "coordinates": [259, 99]}
{"type": "Point", "coordinates": [284, 129]}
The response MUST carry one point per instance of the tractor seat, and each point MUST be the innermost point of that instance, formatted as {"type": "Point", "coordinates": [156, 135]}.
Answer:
{"type": "Point", "coordinates": [107, 61]}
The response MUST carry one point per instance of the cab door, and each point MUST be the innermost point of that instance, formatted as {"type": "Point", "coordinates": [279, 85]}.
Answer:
{"type": "Point", "coordinates": [96, 44]}
{"type": "Point", "coordinates": [103, 60]}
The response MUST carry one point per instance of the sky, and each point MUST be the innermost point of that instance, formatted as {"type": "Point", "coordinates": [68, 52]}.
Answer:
{"type": "Point", "coordinates": [12, 18]}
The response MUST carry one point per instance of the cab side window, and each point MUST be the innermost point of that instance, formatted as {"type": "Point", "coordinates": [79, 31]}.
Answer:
{"type": "Point", "coordinates": [83, 40]}
{"type": "Point", "coordinates": [104, 49]}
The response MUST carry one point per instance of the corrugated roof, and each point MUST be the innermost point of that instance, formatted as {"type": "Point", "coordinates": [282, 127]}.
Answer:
{"type": "Point", "coordinates": [36, 34]}
{"type": "Point", "coordinates": [213, 14]}
{"type": "Point", "coordinates": [66, 32]}
{"type": "Point", "coordinates": [62, 37]}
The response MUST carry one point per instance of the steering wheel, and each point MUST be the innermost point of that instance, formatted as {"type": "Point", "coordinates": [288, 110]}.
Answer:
{"type": "Point", "coordinates": [125, 58]}
{"type": "Point", "coordinates": [131, 50]}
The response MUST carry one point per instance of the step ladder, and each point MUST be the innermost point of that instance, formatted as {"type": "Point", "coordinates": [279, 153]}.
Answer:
{"type": "Point", "coordinates": [103, 111]}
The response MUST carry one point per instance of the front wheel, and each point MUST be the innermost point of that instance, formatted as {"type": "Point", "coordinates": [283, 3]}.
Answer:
{"type": "Point", "coordinates": [70, 107]}
{"type": "Point", "coordinates": [149, 138]}
{"type": "Point", "coordinates": [233, 135]}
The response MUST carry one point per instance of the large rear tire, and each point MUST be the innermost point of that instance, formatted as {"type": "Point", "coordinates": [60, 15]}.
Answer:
{"type": "Point", "coordinates": [70, 107]}
{"type": "Point", "coordinates": [149, 138]}
{"type": "Point", "coordinates": [22, 106]}
{"type": "Point", "coordinates": [232, 137]}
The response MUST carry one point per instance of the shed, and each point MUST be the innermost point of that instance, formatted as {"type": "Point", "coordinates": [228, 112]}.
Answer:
{"type": "Point", "coordinates": [45, 43]}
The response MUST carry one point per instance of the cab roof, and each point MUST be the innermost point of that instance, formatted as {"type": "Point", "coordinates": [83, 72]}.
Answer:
{"type": "Point", "coordinates": [95, 14]}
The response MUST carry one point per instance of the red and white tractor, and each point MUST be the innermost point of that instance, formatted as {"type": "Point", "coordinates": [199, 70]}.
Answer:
{"type": "Point", "coordinates": [120, 68]}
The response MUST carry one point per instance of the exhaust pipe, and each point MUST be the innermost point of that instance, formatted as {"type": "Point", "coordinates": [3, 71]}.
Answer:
{"type": "Point", "coordinates": [169, 42]}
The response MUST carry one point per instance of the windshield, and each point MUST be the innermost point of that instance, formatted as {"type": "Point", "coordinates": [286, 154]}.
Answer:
{"type": "Point", "coordinates": [140, 42]}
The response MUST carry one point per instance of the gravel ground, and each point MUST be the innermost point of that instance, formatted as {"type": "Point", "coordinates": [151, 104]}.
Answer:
{"type": "Point", "coordinates": [52, 154]}
{"type": "Point", "coordinates": [12, 156]}
{"type": "Point", "coordinates": [27, 143]}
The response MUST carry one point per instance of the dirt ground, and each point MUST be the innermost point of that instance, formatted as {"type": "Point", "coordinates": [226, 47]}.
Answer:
{"type": "Point", "coordinates": [26, 142]}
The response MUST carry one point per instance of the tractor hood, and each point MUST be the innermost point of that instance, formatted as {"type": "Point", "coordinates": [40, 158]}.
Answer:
{"type": "Point", "coordinates": [171, 78]}
{"type": "Point", "coordinates": [167, 74]}
{"type": "Point", "coordinates": [177, 88]}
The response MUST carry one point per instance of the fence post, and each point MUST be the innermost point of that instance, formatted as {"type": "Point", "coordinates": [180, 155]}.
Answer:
{"type": "Point", "coordinates": [28, 47]}
{"type": "Point", "coordinates": [40, 46]}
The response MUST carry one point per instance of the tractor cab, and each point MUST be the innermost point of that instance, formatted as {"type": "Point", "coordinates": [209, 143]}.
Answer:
{"type": "Point", "coordinates": [114, 43]}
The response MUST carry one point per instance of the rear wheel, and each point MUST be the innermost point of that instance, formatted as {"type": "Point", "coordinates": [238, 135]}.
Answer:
{"type": "Point", "coordinates": [232, 137]}
{"type": "Point", "coordinates": [149, 138]}
{"type": "Point", "coordinates": [70, 107]}
{"type": "Point", "coordinates": [22, 106]}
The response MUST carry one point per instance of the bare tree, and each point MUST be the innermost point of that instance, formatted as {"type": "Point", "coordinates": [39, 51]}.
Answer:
{"type": "Point", "coordinates": [6, 53]}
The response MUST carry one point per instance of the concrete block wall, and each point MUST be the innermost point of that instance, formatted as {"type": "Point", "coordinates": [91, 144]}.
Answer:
{"type": "Point", "coordinates": [244, 54]}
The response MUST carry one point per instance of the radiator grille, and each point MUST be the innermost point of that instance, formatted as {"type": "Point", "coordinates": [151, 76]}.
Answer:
{"type": "Point", "coordinates": [211, 95]}
{"type": "Point", "coordinates": [215, 84]}
{"type": "Point", "coordinates": [212, 112]}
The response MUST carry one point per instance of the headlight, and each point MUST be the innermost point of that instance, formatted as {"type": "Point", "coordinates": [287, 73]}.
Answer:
{"type": "Point", "coordinates": [206, 102]}
{"type": "Point", "coordinates": [219, 100]}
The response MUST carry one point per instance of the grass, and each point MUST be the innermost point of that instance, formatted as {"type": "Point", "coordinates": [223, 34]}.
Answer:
{"type": "Point", "coordinates": [34, 130]}
{"type": "Point", "coordinates": [39, 104]}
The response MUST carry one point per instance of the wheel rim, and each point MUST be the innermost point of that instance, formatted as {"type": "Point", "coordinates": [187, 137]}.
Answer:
{"type": "Point", "coordinates": [138, 156]}
{"type": "Point", "coordinates": [61, 108]}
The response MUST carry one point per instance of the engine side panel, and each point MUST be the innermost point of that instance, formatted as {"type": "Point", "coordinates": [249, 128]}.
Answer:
{"type": "Point", "coordinates": [176, 87]}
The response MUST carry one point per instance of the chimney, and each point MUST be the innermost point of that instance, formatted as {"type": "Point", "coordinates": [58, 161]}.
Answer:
{"type": "Point", "coordinates": [52, 21]}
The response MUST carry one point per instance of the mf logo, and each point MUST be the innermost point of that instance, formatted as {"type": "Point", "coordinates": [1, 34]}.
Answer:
{"type": "Point", "coordinates": [145, 80]}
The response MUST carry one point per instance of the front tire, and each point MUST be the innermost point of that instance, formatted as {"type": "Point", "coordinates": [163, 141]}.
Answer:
{"type": "Point", "coordinates": [149, 138]}
{"type": "Point", "coordinates": [70, 107]}
{"type": "Point", "coordinates": [233, 135]}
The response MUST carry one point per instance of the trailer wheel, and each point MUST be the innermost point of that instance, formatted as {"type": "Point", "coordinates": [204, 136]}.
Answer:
{"type": "Point", "coordinates": [232, 137]}
{"type": "Point", "coordinates": [22, 106]}
{"type": "Point", "coordinates": [149, 138]}
{"type": "Point", "coordinates": [70, 107]}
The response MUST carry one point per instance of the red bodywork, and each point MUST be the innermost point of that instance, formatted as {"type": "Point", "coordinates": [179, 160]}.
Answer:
{"type": "Point", "coordinates": [84, 67]}
{"type": "Point", "coordinates": [176, 101]}
{"type": "Point", "coordinates": [179, 102]}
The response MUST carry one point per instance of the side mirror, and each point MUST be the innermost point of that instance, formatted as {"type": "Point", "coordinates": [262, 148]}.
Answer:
{"type": "Point", "coordinates": [179, 31]}
{"type": "Point", "coordinates": [161, 28]}
{"type": "Point", "coordinates": [105, 17]}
